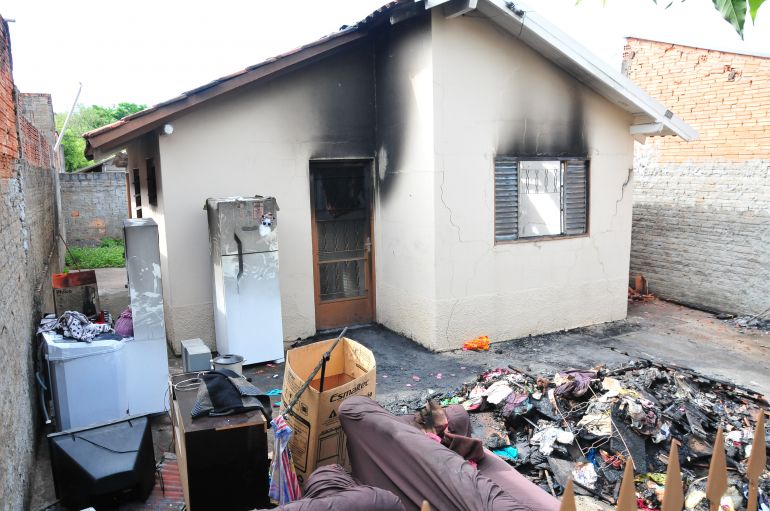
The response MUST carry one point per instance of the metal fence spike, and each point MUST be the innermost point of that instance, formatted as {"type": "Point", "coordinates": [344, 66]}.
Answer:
{"type": "Point", "coordinates": [627, 496]}
{"type": "Point", "coordinates": [757, 461]}
{"type": "Point", "coordinates": [716, 485]}
{"type": "Point", "coordinates": [673, 497]}
{"type": "Point", "coordinates": [568, 498]}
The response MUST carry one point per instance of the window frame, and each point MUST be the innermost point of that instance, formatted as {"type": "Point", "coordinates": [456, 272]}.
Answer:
{"type": "Point", "coordinates": [563, 161]}
{"type": "Point", "coordinates": [136, 178]}
{"type": "Point", "coordinates": [152, 183]}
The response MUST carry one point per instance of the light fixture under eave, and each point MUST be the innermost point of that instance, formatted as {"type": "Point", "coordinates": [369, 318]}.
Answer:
{"type": "Point", "coordinates": [168, 129]}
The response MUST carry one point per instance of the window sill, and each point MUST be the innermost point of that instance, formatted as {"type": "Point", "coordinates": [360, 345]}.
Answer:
{"type": "Point", "coordinates": [535, 239]}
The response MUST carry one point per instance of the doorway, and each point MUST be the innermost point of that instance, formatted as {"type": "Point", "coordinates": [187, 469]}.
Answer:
{"type": "Point", "coordinates": [341, 211]}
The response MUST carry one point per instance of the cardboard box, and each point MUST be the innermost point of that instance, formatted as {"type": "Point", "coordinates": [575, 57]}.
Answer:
{"type": "Point", "coordinates": [318, 438]}
{"type": "Point", "coordinates": [76, 291]}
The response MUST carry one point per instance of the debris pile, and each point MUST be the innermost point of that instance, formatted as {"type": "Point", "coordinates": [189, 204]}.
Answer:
{"type": "Point", "coordinates": [747, 322]}
{"type": "Point", "coordinates": [587, 424]}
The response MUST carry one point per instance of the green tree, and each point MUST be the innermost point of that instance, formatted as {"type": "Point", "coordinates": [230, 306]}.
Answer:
{"type": "Point", "coordinates": [87, 118]}
{"type": "Point", "coordinates": [733, 11]}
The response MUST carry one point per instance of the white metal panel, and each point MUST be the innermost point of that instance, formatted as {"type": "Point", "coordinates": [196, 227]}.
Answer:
{"type": "Point", "coordinates": [147, 378]}
{"type": "Point", "coordinates": [146, 355]}
{"type": "Point", "coordinates": [144, 279]}
{"type": "Point", "coordinates": [250, 324]}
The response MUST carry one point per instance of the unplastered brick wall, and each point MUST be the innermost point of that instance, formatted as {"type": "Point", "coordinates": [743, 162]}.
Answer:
{"type": "Point", "coordinates": [9, 142]}
{"type": "Point", "coordinates": [94, 206]}
{"type": "Point", "coordinates": [27, 249]}
{"type": "Point", "coordinates": [701, 227]}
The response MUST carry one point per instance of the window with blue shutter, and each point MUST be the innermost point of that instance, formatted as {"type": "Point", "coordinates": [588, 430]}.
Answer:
{"type": "Point", "coordinates": [537, 198]}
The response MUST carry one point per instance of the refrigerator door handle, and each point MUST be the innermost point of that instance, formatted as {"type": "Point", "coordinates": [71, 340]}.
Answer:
{"type": "Point", "coordinates": [240, 257]}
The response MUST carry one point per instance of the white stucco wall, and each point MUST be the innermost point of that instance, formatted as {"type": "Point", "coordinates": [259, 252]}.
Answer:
{"type": "Point", "coordinates": [433, 103]}
{"type": "Point", "coordinates": [495, 96]}
{"type": "Point", "coordinates": [404, 208]}
{"type": "Point", "coordinates": [259, 142]}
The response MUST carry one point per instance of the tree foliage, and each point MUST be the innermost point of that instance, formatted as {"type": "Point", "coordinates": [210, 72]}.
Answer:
{"type": "Point", "coordinates": [87, 118]}
{"type": "Point", "coordinates": [733, 11]}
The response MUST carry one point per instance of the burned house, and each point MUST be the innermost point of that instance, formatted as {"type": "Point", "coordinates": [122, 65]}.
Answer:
{"type": "Point", "coordinates": [446, 169]}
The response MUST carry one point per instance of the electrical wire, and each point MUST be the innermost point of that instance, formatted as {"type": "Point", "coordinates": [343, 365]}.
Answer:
{"type": "Point", "coordinates": [97, 444]}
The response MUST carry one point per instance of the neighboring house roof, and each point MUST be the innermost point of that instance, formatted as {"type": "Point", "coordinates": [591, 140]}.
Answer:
{"type": "Point", "coordinates": [118, 161]}
{"type": "Point", "coordinates": [650, 116]}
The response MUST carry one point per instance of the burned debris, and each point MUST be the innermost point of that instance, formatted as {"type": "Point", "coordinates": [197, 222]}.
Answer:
{"type": "Point", "coordinates": [587, 425]}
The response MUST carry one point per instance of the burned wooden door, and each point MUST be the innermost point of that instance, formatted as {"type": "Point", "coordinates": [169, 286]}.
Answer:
{"type": "Point", "coordinates": [340, 194]}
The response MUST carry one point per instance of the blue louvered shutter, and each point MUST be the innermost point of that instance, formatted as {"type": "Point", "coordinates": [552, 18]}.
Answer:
{"type": "Point", "coordinates": [506, 199]}
{"type": "Point", "coordinates": [576, 197]}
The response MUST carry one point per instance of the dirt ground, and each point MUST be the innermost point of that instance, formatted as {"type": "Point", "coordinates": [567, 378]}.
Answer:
{"type": "Point", "coordinates": [660, 331]}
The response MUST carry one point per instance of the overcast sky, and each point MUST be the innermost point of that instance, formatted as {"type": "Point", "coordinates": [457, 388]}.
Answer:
{"type": "Point", "coordinates": [147, 51]}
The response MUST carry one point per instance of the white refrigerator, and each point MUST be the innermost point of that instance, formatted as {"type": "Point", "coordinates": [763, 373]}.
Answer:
{"type": "Point", "coordinates": [243, 232]}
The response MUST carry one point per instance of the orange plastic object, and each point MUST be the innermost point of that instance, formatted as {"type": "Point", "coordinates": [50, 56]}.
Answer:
{"type": "Point", "coordinates": [480, 343]}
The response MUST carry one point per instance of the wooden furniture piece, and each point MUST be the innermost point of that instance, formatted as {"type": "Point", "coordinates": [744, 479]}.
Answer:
{"type": "Point", "coordinates": [223, 461]}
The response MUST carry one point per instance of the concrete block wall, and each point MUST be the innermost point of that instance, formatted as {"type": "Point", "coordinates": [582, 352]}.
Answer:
{"type": "Point", "coordinates": [94, 206]}
{"type": "Point", "coordinates": [701, 224]}
{"type": "Point", "coordinates": [27, 257]}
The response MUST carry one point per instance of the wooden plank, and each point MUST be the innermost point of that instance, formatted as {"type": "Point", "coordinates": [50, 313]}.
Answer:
{"type": "Point", "coordinates": [673, 498]}
{"type": "Point", "coordinates": [757, 462]}
{"type": "Point", "coordinates": [717, 478]}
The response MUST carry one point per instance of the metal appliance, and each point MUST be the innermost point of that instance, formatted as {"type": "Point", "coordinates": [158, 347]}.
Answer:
{"type": "Point", "coordinates": [146, 356]}
{"type": "Point", "coordinates": [87, 380]}
{"type": "Point", "coordinates": [196, 356]}
{"type": "Point", "coordinates": [243, 232]}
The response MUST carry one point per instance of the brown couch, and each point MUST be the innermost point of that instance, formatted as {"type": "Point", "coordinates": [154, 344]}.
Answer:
{"type": "Point", "coordinates": [392, 453]}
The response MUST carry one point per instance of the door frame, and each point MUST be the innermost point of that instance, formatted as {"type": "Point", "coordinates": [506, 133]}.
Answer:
{"type": "Point", "coordinates": [367, 165]}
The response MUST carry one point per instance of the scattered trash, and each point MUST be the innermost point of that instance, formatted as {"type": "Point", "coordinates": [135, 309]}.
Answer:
{"type": "Point", "coordinates": [273, 392]}
{"type": "Point", "coordinates": [507, 453]}
{"type": "Point", "coordinates": [759, 322]}
{"type": "Point", "coordinates": [415, 377]}
{"type": "Point", "coordinates": [277, 404]}
{"type": "Point", "coordinates": [439, 376]}
{"type": "Point", "coordinates": [587, 424]}
{"type": "Point", "coordinates": [480, 343]}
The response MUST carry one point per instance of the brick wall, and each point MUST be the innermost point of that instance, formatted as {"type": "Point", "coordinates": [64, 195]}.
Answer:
{"type": "Point", "coordinates": [27, 254]}
{"type": "Point", "coordinates": [94, 205]}
{"type": "Point", "coordinates": [9, 145]}
{"type": "Point", "coordinates": [701, 228]}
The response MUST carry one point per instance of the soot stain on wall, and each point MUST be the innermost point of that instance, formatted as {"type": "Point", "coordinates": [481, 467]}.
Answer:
{"type": "Point", "coordinates": [535, 132]}
{"type": "Point", "coordinates": [344, 105]}
{"type": "Point", "coordinates": [395, 61]}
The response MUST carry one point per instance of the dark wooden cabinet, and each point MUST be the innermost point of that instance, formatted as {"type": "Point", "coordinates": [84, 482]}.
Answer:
{"type": "Point", "coordinates": [223, 461]}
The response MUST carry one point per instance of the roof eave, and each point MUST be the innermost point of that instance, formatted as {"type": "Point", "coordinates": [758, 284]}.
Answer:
{"type": "Point", "coordinates": [118, 134]}
{"type": "Point", "coordinates": [565, 52]}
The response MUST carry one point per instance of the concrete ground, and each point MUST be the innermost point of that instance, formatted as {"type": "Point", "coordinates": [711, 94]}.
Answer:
{"type": "Point", "coordinates": [657, 330]}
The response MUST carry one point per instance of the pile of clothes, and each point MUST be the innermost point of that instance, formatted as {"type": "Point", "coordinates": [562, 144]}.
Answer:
{"type": "Point", "coordinates": [586, 424]}
{"type": "Point", "coordinates": [76, 325]}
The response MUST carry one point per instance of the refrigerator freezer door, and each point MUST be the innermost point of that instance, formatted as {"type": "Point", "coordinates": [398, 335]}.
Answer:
{"type": "Point", "coordinates": [249, 324]}
{"type": "Point", "coordinates": [242, 225]}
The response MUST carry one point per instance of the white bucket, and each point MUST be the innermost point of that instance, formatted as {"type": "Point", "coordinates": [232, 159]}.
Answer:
{"type": "Point", "coordinates": [232, 362]}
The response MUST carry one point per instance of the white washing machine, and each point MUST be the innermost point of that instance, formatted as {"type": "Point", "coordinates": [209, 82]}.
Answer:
{"type": "Point", "coordinates": [88, 380]}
